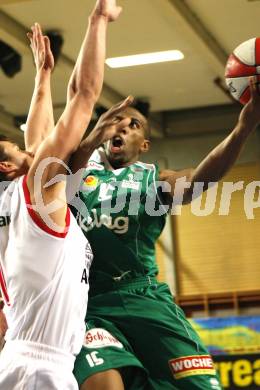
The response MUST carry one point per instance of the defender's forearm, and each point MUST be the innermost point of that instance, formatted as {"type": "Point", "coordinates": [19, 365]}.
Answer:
{"type": "Point", "coordinates": [80, 158]}
{"type": "Point", "coordinates": [88, 74]}
{"type": "Point", "coordinates": [40, 121]}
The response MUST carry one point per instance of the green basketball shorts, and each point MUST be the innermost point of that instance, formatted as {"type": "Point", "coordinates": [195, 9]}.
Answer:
{"type": "Point", "coordinates": [139, 330]}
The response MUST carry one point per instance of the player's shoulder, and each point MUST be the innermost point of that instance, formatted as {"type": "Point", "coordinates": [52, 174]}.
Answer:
{"type": "Point", "coordinates": [96, 161]}
{"type": "Point", "coordinates": [145, 166]}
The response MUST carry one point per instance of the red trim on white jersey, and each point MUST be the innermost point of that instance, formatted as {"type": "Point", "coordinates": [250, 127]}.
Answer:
{"type": "Point", "coordinates": [3, 287]}
{"type": "Point", "coordinates": [257, 51]}
{"type": "Point", "coordinates": [37, 220]}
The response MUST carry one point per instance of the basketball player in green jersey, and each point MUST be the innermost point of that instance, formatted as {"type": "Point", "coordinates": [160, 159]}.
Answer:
{"type": "Point", "coordinates": [136, 336]}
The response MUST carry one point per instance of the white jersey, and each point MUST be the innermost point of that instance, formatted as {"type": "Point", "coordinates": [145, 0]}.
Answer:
{"type": "Point", "coordinates": [44, 274]}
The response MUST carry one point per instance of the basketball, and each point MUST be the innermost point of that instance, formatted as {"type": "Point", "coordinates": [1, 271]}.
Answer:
{"type": "Point", "coordinates": [242, 63]}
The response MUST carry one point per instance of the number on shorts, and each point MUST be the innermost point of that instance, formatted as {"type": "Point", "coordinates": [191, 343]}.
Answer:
{"type": "Point", "coordinates": [93, 360]}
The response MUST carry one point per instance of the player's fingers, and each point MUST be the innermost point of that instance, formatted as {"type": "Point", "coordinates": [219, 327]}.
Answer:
{"type": "Point", "coordinates": [112, 129]}
{"type": "Point", "coordinates": [39, 37]}
{"type": "Point", "coordinates": [33, 41]}
{"type": "Point", "coordinates": [116, 109]}
{"type": "Point", "coordinates": [109, 134]}
{"type": "Point", "coordinates": [29, 36]}
{"type": "Point", "coordinates": [124, 103]}
{"type": "Point", "coordinates": [253, 84]}
{"type": "Point", "coordinates": [116, 13]}
{"type": "Point", "coordinates": [123, 123]}
{"type": "Point", "coordinates": [33, 33]}
{"type": "Point", "coordinates": [110, 112]}
{"type": "Point", "coordinates": [47, 43]}
{"type": "Point", "coordinates": [113, 122]}
{"type": "Point", "coordinates": [34, 38]}
{"type": "Point", "coordinates": [39, 29]}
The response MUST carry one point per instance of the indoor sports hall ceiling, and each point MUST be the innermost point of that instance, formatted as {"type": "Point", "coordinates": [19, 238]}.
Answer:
{"type": "Point", "coordinates": [206, 31]}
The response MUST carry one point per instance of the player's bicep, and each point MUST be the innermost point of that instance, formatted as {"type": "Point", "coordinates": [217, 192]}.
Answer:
{"type": "Point", "coordinates": [179, 185]}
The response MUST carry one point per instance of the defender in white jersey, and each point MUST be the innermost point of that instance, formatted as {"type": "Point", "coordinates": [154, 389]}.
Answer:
{"type": "Point", "coordinates": [46, 292]}
{"type": "Point", "coordinates": [44, 266]}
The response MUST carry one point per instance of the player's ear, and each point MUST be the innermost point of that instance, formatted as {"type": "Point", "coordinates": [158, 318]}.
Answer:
{"type": "Point", "coordinates": [145, 146]}
{"type": "Point", "coordinates": [6, 166]}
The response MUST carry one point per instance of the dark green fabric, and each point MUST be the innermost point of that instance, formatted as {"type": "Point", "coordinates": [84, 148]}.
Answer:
{"type": "Point", "coordinates": [123, 301]}
{"type": "Point", "coordinates": [122, 241]}
{"type": "Point", "coordinates": [153, 330]}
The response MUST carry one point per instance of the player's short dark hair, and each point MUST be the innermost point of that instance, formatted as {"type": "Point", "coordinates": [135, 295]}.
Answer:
{"type": "Point", "coordinates": [4, 138]}
{"type": "Point", "coordinates": [3, 155]}
{"type": "Point", "coordinates": [143, 107]}
{"type": "Point", "coordinates": [145, 124]}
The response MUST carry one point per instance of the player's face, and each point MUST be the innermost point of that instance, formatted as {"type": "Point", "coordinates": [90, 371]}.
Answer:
{"type": "Point", "coordinates": [18, 161]}
{"type": "Point", "coordinates": [125, 147]}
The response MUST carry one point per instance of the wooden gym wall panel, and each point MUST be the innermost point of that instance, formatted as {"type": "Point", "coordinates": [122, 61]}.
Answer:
{"type": "Point", "coordinates": [160, 262]}
{"type": "Point", "coordinates": [219, 253]}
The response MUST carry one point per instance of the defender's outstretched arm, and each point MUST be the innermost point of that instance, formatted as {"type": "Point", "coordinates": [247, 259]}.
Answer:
{"type": "Point", "coordinates": [40, 121]}
{"type": "Point", "coordinates": [86, 83]}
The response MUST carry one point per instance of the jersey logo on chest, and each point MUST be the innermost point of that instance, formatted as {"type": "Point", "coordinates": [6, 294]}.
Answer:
{"type": "Point", "coordinates": [119, 225]}
{"type": "Point", "coordinates": [131, 183]}
{"type": "Point", "coordinates": [90, 183]}
{"type": "Point", "coordinates": [92, 165]}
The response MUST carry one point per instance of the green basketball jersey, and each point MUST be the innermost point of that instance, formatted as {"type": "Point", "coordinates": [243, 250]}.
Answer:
{"type": "Point", "coordinates": [121, 215]}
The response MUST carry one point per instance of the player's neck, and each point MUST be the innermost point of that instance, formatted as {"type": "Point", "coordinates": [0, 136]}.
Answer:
{"type": "Point", "coordinates": [121, 164]}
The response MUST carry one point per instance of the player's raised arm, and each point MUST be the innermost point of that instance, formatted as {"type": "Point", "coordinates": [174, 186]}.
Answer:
{"type": "Point", "coordinates": [40, 120]}
{"type": "Point", "coordinates": [86, 84]}
{"type": "Point", "coordinates": [217, 163]}
{"type": "Point", "coordinates": [108, 10]}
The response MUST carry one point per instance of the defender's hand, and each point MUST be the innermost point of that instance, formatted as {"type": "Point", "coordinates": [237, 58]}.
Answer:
{"type": "Point", "coordinates": [40, 45]}
{"type": "Point", "coordinates": [108, 124]}
{"type": "Point", "coordinates": [108, 9]}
